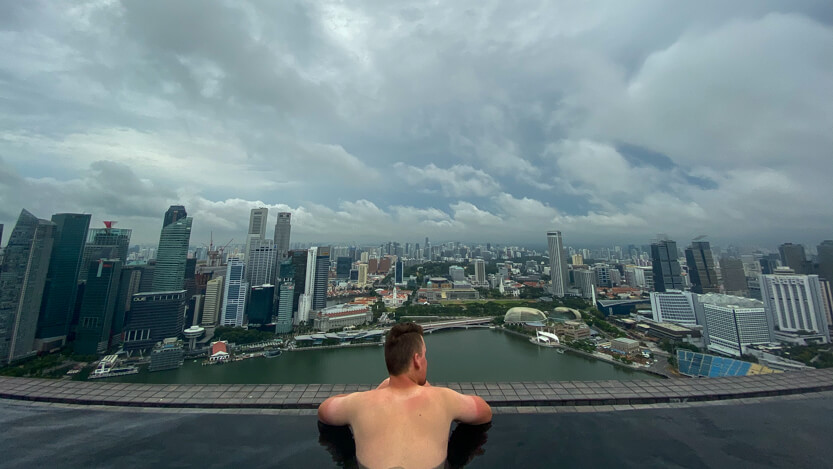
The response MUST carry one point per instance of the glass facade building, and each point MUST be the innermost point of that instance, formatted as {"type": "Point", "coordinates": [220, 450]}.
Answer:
{"type": "Point", "coordinates": [172, 253]}
{"type": "Point", "coordinates": [154, 317]}
{"type": "Point", "coordinates": [666, 266]}
{"type": "Point", "coordinates": [701, 271]}
{"type": "Point", "coordinates": [92, 334]}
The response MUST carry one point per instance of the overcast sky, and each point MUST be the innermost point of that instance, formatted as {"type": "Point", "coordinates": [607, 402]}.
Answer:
{"type": "Point", "coordinates": [465, 120]}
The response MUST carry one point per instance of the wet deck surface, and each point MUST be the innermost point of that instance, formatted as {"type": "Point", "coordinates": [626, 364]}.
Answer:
{"type": "Point", "coordinates": [790, 431]}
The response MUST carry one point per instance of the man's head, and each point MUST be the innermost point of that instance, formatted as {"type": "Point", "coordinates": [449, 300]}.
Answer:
{"type": "Point", "coordinates": [405, 351]}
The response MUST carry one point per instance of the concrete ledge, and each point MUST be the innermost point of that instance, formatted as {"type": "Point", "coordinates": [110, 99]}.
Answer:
{"type": "Point", "coordinates": [504, 394]}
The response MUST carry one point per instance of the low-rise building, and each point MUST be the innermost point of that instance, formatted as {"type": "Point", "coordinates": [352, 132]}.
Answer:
{"type": "Point", "coordinates": [167, 355]}
{"type": "Point", "coordinates": [339, 316]}
{"type": "Point", "coordinates": [219, 351]}
{"type": "Point", "coordinates": [624, 346]}
{"type": "Point", "coordinates": [572, 330]}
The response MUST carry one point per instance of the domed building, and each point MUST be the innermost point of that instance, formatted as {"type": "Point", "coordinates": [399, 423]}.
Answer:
{"type": "Point", "coordinates": [521, 315]}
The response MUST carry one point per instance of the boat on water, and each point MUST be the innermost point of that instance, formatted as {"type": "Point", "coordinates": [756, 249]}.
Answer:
{"type": "Point", "coordinates": [560, 350]}
{"type": "Point", "coordinates": [272, 353]}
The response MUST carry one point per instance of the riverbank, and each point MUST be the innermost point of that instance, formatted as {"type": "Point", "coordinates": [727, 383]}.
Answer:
{"type": "Point", "coordinates": [328, 347]}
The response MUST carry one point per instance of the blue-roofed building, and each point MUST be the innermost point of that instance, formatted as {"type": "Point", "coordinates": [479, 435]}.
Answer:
{"type": "Point", "coordinates": [701, 365]}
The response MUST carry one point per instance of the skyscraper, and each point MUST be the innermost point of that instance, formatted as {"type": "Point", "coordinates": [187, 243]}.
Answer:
{"type": "Point", "coordinates": [22, 281]}
{"type": "Point", "coordinates": [298, 259]}
{"type": "Point", "coordinates": [479, 272]}
{"type": "Point", "coordinates": [585, 282]}
{"type": "Point", "coordinates": [825, 250]}
{"type": "Point", "coordinates": [397, 272]}
{"type": "Point", "coordinates": [261, 262]}
{"type": "Point", "coordinates": [260, 302]}
{"type": "Point", "coordinates": [214, 290]}
{"type": "Point", "coordinates": [62, 279]}
{"type": "Point", "coordinates": [674, 306]}
{"type": "Point", "coordinates": [285, 298]}
{"type": "Point", "coordinates": [733, 323]}
{"type": "Point", "coordinates": [95, 320]}
{"type": "Point", "coordinates": [558, 263]}
{"type": "Point", "coordinates": [362, 271]}
{"type": "Point", "coordinates": [794, 257]}
{"type": "Point", "coordinates": [666, 266]}
{"type": "Point", "coordinates": [795, 305]}
{"type": "Point", "coordinates": [282, 231]}
{"type": "Point", "coordinates": [322, 276]}
{"type": "Point", "coordinates": [257, 232]}
{"type": "Point", "coordinates": [234, 297]}
{"type": "Point", "coordinates": [104, 243]}
{"type": "Point", "coordinates": [701, 268]}
{"type": "Point", "coordinates": [734, 277]}
{"type": "Point", "coordinates": [343, 265]}
{"type": "Point", "coordinates": [153, 317]}
{"type": "Point", "coordinates": [173, 251]}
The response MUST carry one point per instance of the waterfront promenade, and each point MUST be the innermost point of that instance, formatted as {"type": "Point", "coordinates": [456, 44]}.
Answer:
{"type": "Point", "coordinates": [498, 394]}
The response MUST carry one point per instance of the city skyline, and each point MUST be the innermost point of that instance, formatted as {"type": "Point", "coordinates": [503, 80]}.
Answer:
{"type": "Point", "coordinates": [499, 125]}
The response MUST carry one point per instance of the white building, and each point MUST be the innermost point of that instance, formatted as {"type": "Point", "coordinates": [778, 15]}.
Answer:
{"type": "Point", "coordinates": [257, 228]}
{"type": "Point", "coordinates": [362, 274]}
{"type": "Point", "coordinates": [795, 306]}
{"type": "Point", "coordinates": [674, 306]}
{"type": "Point", "coordinates": [732, 323]}
{"type": "Point", "coordinates": [338, 316]}
{"type": "Point", "coordinates": [261, 261]}
{"type": "Point", "coordinates": [234, 297]}
{"type": "Point", "coordinates": [213, 299]}
{"type": "Point", "coordinates": [585, 282]}
{"type": "Point", "coordinates": [558, 263]}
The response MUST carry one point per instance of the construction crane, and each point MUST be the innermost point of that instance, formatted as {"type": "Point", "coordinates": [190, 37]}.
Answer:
{"type": "Point", "coordinates": [215, 257]}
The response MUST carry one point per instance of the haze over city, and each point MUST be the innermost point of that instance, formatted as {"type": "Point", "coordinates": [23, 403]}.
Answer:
{"type": "Point", "coordinates": [459, 121]}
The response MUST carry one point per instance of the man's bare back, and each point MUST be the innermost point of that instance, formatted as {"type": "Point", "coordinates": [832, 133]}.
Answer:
{"type": "Point", "coordinates": [405, 422]}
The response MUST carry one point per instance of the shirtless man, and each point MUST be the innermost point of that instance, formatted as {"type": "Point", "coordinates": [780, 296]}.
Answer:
{"type": "Point", "coordinates": [405, 421]}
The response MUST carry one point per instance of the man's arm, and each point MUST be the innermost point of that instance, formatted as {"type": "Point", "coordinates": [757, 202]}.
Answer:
{"type": "Point", "coordinates": [336, 410]}
{"type": "Point", "coordinates": [472, 410]}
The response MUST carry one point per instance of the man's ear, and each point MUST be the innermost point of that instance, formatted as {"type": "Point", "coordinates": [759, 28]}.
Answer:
{"type": "Point", "coordinates": [415, 360]}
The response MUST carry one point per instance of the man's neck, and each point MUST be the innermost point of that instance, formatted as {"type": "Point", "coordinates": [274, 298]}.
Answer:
{"type": "Point", "coordinates": [403, 381]}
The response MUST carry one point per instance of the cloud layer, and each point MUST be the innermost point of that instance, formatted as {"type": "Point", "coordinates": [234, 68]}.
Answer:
{"type": "Point", "coordinates": [480, 121]}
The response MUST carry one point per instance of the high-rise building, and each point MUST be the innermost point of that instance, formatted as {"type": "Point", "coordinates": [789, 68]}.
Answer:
{"type": "Point", "coordinates": [733, 323]}
{"type": "Point", "coordinates": [674, 306]}
{"type": "Point", "coordinates": [153, 317]}
{"type": "Point", "coordinates": [104, 243]}
{"type": "Point", "coordinates": [734, 276]}
{"type": "Point", "coordinates": [827, 298]}
{"type": "Point", "coordinates": [558, 263]}
{"type": "Point", "coordinates": [700, 264]}
{"type": "Point", "coordinates": [795, 305]}
{"type": "Point", "coordinates": [234, 297]}
{"type": "Point", "coordinates": [22, 281]}
{"type": "Point", "coordinates": [825, 250]}
{"type": "Point", "coordinates": [398, 272]}
{"type": "Point", "coordinates": [261, 300]}
{"type": "Point", "coordinates": [666, 266]}
{"type": "Point", "coordinates": [283, 324]}
{"type": "Point", "coordinates": [214, 290]}
{"type": "Point", "coordinates": [578, 259]}
{"type": "Point", "coordinates": [794, 257]}
{"type": "Point", "coordinates": [479, 272]}
{"type": "Point", "coordinates": [62, 279]}
{"type": "Point", "coordinates": [92, 334]}
{"type": "Point", "coordinates": [585, 280]}
{"type": "Point", "coordinates": [282, 231]}
{"type": "Point", "coordinates": [256, 234]}
{"type": "Point", "coordinates": [261, 262]}
{"type": "Point", "coordinates": [362, 281]}
{"type": "Point", "coordinates": [173, 251]}
{"type": "Point", "coordinates": [343, 265]}
{"type": "Point", "coordinates": [603, 275]}
{"type": "Point", "coordinates": [298, 258]}
{"type": "Point", "coordinates": [130, 280]}
{"type": "Point", "coordinates": [322, 274]}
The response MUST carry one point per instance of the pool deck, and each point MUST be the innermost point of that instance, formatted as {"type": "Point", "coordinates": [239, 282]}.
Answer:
{"type": "Point", "coordinates": [522, 396]}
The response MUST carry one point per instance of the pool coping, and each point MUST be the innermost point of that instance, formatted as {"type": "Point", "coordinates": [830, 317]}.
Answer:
{"type": "Point", "coordinates": [526, 394]}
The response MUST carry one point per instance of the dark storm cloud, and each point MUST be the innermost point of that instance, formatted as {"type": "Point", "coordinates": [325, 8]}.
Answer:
{"type": "Point", "coordinates": [466, 120]}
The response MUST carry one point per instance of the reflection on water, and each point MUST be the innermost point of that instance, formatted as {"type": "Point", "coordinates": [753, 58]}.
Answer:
{"type": "Point", "coordinates": [465, 443]}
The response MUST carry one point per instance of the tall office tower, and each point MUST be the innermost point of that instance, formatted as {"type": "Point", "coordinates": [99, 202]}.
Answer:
{"type": "Point", "coordinates": [257, 230]}
{"type": "Point", "coordinates": [384, 265]}
{"type": "Point", "coordinates": [585, 282]}
{"type": "Point", "coordinates": [261, 262]}
{"type": "Point", "coordinates": [733, 323]}
{"type": "Point", "coordinates": [130, 280]}
{"type": "Point", "coordinates": [343, 266]}
{"type": "Point", "coordinates": [362, 281]}
{"type": "Point", "coordinates": [234, 297]}
{"type": "Point", "coordinates": [398, 272]}
{"type": "Point", "coordinates": [795, 305]}
{"type": "Point", "coordinates": [827, 298]}
{"type": "Point", "coordinates": [153, 317]}
{"type": "Point", "coordinates": [734, 277]}
{"type": "Point", "coordinates": [92, 335]}
{"type": "Point", "coordinates": [793, 256]}
{"type": "Point", "coordinates": [558, 263]}
{"type": "Point", "coordinates": [22, 281]}
{"type": "Point", "coordinates": [674, 306]}
{"type": "Point", "coordinates": [373, 266]}
{"type": "Point", "coordinates": [283, 325]}
{"type": "Point", "coordinates": [298, 259]}
{"type": "Point", "coordinates": [282, 231]}
{"type": "Point", "coordinates": [769, 263]}
{"type": "Point", "coordinates": [701, 268]}
{"type": "Point", "coordinates": [315, 284]}
{"type": "Point", "coordinates": [173, 251]}
{"type": "Point", "coordinates": [578, 259]}
{"type": "Point", "coordinates": [480, 271]}
{"type": "Point", "coordinates": [457, 273]}
{"type": "Point", "coordinates": [104, 243]}
{"type": "Point", "coordinates": [174, 213]}
{"type": "Point", "coordinates": [261, 301]}
{"type": "Point", "coordinates": [666, 267]}
{"type": "Point", "coordinates": [825, 250]}
{"type": "Point", "coordinates": [61, 280]}
{"type": "Point", "coordinates": [214, 290]}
